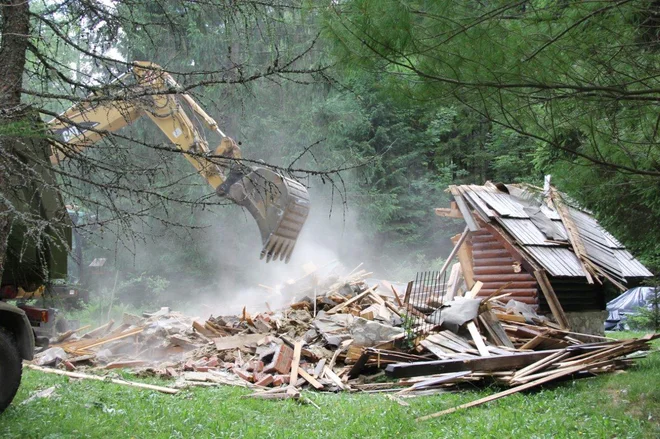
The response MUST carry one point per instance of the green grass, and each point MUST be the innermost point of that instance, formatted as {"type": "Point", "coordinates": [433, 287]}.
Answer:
{"type": "Point", "coordinates": [622, 405]}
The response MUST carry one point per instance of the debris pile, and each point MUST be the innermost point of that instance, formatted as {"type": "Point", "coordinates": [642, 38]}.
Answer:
{"type": "Point", "coordinates": [348, 334]}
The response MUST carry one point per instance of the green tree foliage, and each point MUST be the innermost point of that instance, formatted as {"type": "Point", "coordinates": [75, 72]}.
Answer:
{"type": "Point", "coordinates": [580, 78]}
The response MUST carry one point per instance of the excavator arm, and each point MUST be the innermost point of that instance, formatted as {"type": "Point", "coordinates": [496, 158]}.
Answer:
{"type": "Point", "coordinates": [279, 205]}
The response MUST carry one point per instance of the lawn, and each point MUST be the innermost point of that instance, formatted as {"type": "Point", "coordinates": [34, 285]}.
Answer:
{"type": "Point", "coordinates": [615, 405]}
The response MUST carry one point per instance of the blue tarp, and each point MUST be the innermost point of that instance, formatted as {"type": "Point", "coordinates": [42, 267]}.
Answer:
{"type": "Point", "coordinates": [628, 303]}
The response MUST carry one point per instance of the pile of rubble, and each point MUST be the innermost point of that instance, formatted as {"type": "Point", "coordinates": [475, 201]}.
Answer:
{"type": "Point", "coordinates": [347, 334]}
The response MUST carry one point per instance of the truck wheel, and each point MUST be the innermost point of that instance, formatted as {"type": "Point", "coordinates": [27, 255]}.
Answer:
{"type": "Point", "coordinates": [10, 369]}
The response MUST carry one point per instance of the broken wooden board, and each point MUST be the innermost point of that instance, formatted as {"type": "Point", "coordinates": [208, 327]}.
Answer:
{"type": "Point", "coordinates": [478, 341]}
{"type": "Point", "coordinates": [310, 379]}
{"type": "Point", "coordinates": [295, 363]}
{"type": "Point", "coordinates": [547, 379]}
{"type": "Point", "coordinates": [483, 364]}
{"type": "Point", "coordinates": [475, 290]}
{"type": "Point", "coordinates": [551, 298]}
{"type": "Point", "coordinates": [101, 378]}
{"type": "Point", "coordinates": [494, 329]}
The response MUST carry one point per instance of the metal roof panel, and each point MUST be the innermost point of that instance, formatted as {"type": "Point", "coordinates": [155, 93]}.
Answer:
{"type": "Point", "coordinates": [503, 204]}
{"type": "Point", "coordinates": [559, 261]}
{"type": "Point", "coordinates": [525, 232]}
{"type": "Point", "coordinates": [630, 266]}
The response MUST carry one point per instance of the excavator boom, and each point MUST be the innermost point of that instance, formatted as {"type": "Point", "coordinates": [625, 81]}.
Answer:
{"type": "Point", "coordinates": [279, 205]}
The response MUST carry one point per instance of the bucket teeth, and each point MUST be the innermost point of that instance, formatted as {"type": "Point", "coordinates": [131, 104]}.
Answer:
{"type": "Point", "coordinates": [278, 204]}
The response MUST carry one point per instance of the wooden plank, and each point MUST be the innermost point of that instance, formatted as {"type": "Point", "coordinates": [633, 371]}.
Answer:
{"type": "Point", "coordinates": [475, 290]}
{"type": "Point", "coordinates": [465, 259]}
{"type": "Point", "coordinates": [534, 342]}
{"type": "Point", "coordinates": [453, 253]}
{"type": "Point", "coordinates": [396, 296]}
{"type": "Point", "coordinates": [203, 330]}
{"type": "Point", "coordinates": [435, 349]}
{"type": "Point", "coordinates": [465, 210]}
{"type": "Point", "coordinates": [214, 329]}
{"type": "Point", "coordinates": [453, 282]}
{"type": "Point", "coordinates": [476, 336]}
{"type": "Point", "coordinates": [447, 343]}
{"type": "Point", "coordinates": [333, 377]}
{"type": "Point", "coordinates": [551, 298]}
{"type": "Point", "coordinates": [601, 355]}
{"type": "Point", "coordinates": [124, 364]}
{"type": "Point", "coordinates": [409, 287]}
{"type": "Point", "coordinates": [510, 317]}
{"type": "Point", "coordinates": [435, 381]}
{"type": "Point", "coordinates": [99, 331]}
{"type": "Point", "coordinates": [350, 301]}
{"type": "Point", "coordinates": [102, 378]}
{"type": "Point", "coordinates": [318, 370]}
{"type": "Point", "coordinates": [444, 353]}
{"type": "Point", "coordinates": [539, 365]}
{"type": "Point", "coordinates": [547, 379]}
{"type": "Point", "coordinates": [67, 334]}
{"type": "Point", "coordinates": [453, 212]}
{"type": "Point", "coordinates": [476, 364]}
{"type": "Point", "coordinates": [310, 379]}
{"type": "Point", "coordinates": [573, 232]}
{"type": "Point", "coordinates": [111, 339]}
{"type": "Point", "coordinates": [457, 339]}
{"type": "Point", "coordinates": [295, 362]}
{"type": "Point", "coordinates": [359, 364]}
{"type": "Point", "coordinates": [495, 329]}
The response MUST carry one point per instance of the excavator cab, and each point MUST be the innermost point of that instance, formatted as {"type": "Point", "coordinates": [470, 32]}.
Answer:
{"type": "Point", "coordinates": [278, 204]}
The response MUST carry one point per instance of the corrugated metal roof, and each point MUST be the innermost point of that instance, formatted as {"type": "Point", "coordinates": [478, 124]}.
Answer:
{"type": "Point", "coordinates": [596, 243]}
{"type": "Point", "coordinates": [559, 226]}
{"type": "Point", "coordinates": [525, 231]}
{"type": "Point", "coordinates": [559, 261]}
{"type": "Point", "coordinates": [503, 204]}
{"type": "Point", "coordinates": [477, 202]}
{"type": "Point", "coordinates": [550, 213]}
{"type": "Point", "coordinates": [613, 242]}
{"type": "Point", "coordinates": [630, 266]}
{"type": "Point", "coordinates": [602, 248]}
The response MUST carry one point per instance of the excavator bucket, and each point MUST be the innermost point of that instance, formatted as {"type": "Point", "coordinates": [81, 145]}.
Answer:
{"type": "Point", "coordinates": [279, 205]}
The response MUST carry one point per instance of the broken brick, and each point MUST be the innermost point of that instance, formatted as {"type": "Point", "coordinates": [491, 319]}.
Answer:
{"type": "Point", "coordinates": [244, 375]}
{"type": "Point", "coordinates": [69, 366]}
{"type": "Point", "coordinates": [281, 379]}
{"type": "Point", "coordinates": [255, 366]}
{"type": "Point", "coordinates": [281, 362]}
{"type": "Point", "coordinates": [266, 380]}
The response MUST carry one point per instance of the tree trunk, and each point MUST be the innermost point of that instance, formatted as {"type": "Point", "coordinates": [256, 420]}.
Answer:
{"type": "Point", "coordinates": [14, 37]}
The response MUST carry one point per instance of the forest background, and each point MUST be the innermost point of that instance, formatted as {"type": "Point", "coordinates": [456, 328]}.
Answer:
{"type": "Point", "coordinates": [407, 96]}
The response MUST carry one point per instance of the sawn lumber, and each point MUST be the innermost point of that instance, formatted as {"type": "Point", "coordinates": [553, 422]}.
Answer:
{"type": "Point", "coordinates": [100, 378]}
{"type": "Point", "coordinates": [477, 364]}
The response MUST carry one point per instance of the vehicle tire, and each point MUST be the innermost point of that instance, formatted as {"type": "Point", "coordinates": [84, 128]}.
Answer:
{"type": "Point", "coordinates": [10, 369]}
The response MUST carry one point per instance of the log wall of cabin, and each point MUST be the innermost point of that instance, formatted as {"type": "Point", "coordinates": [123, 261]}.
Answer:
{"type": "Point", "coordinates": [495, 266]}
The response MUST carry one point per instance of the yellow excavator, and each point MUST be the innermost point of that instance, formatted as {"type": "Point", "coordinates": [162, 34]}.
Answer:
{"type": "Point", "coordinates": [279, 204]}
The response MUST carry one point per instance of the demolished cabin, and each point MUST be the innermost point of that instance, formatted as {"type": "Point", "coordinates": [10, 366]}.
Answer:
{"type": "Point", "coordinates": [541, 250]}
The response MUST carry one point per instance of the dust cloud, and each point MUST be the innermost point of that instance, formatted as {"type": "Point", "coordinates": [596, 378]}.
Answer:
{"type": "Point", "coordinates": [331, 244]}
